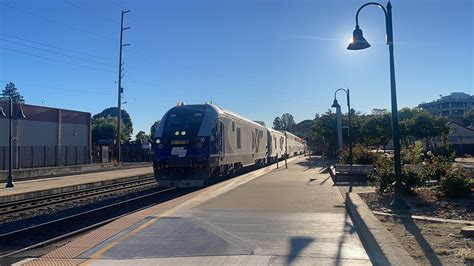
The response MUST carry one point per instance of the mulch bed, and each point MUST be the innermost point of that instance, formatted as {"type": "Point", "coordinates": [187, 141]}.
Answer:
{"type": "Point", "coordinates": [427, 202]}
{"type": "Point", "coordinates": [429, 243]}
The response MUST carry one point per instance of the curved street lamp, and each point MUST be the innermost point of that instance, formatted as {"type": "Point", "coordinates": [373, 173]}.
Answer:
{"type": "Point", "coordinates": [358, 43]}
{"type": "Point", "coordinates": [336, 105]}
{"type": "Point", "coordinates": [20, 115]}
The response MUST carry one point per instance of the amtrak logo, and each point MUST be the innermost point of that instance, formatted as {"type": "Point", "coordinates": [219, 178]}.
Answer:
{"type": "Point", "coordinates": [180, 151]}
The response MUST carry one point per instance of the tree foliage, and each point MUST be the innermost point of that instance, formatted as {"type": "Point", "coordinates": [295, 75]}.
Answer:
{"type": "Point", "coordinates": [11, 91]}
{"type": "Point", "coordinates": [154, 127]}
{"type": "Point", "coordinates": [142, 137]}
{"type": "Point", "coordinates": [277, 123]}
{"type": "Point", "coordinates": [110, 114]}
{"type": "Point", "coordinates": [469, 117]}
{"type": "Point", "coordinates": [103, 129]}
{"type": "Point", "coordinates": [375, 130]}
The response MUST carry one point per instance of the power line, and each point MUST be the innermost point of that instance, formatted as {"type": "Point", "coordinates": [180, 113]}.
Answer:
{"type": "Point", "coordinates": [56, 21]}
{"type": "Point", "coordinates": [56, 47]}
{"type": "Point", "coordinates": [53, 52]}
{"type": "Point", "coordinates": [56, 60]}
{"type": "Point", "coordinates": [58, 88]}
{"type": "Point", "coordinates": [85, 10]}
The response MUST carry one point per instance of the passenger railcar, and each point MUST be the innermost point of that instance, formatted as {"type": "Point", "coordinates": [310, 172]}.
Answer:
{"type": "Point", "coordinates": [196, 143]}
{"type": "Point", "coordinates": [276, 145]}
{"type": "Point", "coordinates": [295, 144]}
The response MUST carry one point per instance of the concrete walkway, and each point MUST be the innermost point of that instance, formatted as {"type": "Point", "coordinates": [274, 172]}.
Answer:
{"type": "Point", "coordinates": [286, 216]}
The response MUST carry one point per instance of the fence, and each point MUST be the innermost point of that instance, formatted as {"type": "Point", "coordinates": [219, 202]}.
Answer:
{"type": "Point", "coordinates": [44, 156]}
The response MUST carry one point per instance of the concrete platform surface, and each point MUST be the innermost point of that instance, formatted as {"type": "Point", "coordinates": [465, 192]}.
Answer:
{"type": "Point", "coordinates": [53, 185]}
{"type": "Point", "coordinates": [279, 217]}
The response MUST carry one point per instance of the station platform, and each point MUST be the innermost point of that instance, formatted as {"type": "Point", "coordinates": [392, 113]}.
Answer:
{"type": "Point", "coordinates": [30, 189]}
{"type": "Point", "coordinates": [266, 217]}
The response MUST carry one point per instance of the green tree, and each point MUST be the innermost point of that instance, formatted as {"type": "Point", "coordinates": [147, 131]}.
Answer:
{"type": "Point", "coordinates": [127, 126]}
{"type": "Point", "coordinates": [103, 129]}
{"type": "Point", "coordinates": [277, 123]}
{"type": "Point", "coordinates": [11, 91]}
{"type": "Point", "coordinates": [142, 137]}
{"type": "Point", "coordinates": [469, 117]}
{"type": "Point", "coordinates": [154, 127]}
{"type": "Point", "coordinates": [376, 130]}
{"type": "Point", "coordinates": [324, 136]}
{"type": "Point", "coordinates": [288, 122]}
{"type": "Point", "coordinates": [425, 126]}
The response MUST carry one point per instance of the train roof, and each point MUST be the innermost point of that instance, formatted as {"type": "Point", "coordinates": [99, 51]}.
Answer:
{"type": "Point", "coordinates": [291, 134]}
{"type": "Point", "coordinates": [232, 114]}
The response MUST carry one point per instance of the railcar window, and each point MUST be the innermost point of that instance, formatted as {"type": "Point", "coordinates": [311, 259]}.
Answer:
{"type": "Point", "coordinates": [239, 144]}
{"type": "Point", "coordinates": [233, 127]}
{"type": "Point", "coordinates": [275, 140]}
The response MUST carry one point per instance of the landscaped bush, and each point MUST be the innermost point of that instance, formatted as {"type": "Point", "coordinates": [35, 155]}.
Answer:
{"type": "Point", "coordinates": [412, 178]}
{"type": "Point", "coordinates": [360, 155]}
{"type": "Point", "coordinates": [384, 176]}
{"type": "Point", "coordinates": [456, 183]}
{"type": "Point", "coordinates": [413, 154]}
{"type": "Point", "coordinates": [434, 167]}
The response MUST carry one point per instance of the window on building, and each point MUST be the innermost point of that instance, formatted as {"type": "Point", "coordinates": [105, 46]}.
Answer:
{"type": "Point", "coordinates": [239, 143]}
{"type": "Point", "coordinates": [445, 113]}
{"type": "Point", "coordinates": [445, 105]}
{"type": "Point", "coordinates": [457, 104]}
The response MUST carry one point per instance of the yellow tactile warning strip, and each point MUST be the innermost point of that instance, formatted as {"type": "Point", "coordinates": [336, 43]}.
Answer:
{"type": "Point", "coordinates": [53, 262]}
{"type": "Point", "coordinates": [67, 254]}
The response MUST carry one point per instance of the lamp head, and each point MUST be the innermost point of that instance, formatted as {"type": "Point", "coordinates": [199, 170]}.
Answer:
{"type": "Point", "coordinates": [335, 104]}
{"type": "Point", "coordinates": [358, 41]}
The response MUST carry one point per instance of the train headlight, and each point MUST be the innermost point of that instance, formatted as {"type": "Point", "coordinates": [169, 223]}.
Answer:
{"type": "Point", "coordinates": [176, 133]}
{"type": "Point", "coordinates": [183, 133]}
{"type": "Point", "coordinates": [158, 141]}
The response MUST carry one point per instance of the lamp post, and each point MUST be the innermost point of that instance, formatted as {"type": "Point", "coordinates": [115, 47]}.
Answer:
{"type": "Point", "coordinates": [338, 108]}
{"type": "Point", "coordinates": [10, 138]}
{"type": "Point", "coordinates": [358, 43]}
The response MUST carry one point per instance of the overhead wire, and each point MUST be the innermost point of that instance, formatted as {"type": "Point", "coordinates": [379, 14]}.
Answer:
{"type": "Point", "coordinates": [56, 21]}
{"type": "Point", "coordinates": [56, 60]}
{"type": "Point", "coordinates": [85, 10]}
{"type": "Point", "coordinates": [59, 88]}
{"type": "Point", "coordinates": [56, 47]}
{"type": "Point", "coordinates": [53, 52]}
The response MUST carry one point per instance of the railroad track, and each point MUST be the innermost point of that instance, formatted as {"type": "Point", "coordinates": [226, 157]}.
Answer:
{"type": "Point", "coordinates": [38, 202]}
{"type": "Point", "coordinates": [15, 242]}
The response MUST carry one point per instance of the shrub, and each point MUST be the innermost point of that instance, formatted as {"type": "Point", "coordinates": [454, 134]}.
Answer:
{"type": "Point", "coordinates": [360, 155]}
{"type": "Point", "coordinates": [456, 183]}
{"type": "Point", "coordinates": [384, 176]}
{"type": "Point", "coordinates": [412, 178]}
{"type": "Point", "coordinates": [434, 167]}
{"type": "Point", "coordinates": [413, 154]}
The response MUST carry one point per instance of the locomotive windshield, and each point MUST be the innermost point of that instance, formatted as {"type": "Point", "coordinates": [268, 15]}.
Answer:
{"type": "Point", "coordinates": [183, 122]}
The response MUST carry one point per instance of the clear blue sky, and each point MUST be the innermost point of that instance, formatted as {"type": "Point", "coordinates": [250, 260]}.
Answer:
{"type": "Point", "coordinates": [258, 58]}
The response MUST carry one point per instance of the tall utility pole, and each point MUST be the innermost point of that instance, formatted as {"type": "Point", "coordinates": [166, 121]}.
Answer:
{"type": "Point", "coordinates": [120, 89]}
